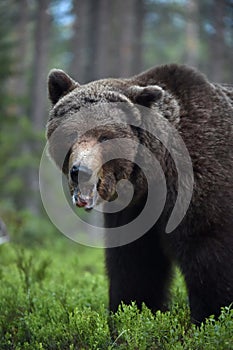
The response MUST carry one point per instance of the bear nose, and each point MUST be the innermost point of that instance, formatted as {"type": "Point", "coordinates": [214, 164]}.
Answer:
{"type": "Point", "coordinates": [80, 173]}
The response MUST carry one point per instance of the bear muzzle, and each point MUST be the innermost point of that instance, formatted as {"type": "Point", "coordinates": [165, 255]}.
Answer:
{"type": "Point", "coordinates": [80, 173]}
{"type": "Point", "coordinates": [84, 186]}
{"type": "Point", "coordinates": [85, 196]}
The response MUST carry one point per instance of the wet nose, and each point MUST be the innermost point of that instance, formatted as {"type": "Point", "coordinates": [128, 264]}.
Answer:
{"type": "Point", "coordinates": [80, 173]}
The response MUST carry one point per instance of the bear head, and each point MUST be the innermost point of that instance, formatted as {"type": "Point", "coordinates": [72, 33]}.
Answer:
{"type": "Point", "coordinates": [90, 129]}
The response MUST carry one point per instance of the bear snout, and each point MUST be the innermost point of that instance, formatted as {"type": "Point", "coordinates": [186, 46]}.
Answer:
{"type": "Point", "coordinates": [83, 186]}
{"type": "Point", "coordinates": [80, 174]}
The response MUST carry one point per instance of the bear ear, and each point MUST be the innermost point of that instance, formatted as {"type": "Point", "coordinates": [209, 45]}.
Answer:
{"type": "Point", "coordinates": [59, 84]}
{"type": "Point", "coordinates": [145, 95]}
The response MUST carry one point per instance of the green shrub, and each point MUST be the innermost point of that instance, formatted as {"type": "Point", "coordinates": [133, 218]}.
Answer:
{"type": "Point", "coordinates": [54, 296]}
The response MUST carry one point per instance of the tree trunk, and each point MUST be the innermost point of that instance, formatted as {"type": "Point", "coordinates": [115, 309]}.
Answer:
{"type": "Point", "coordinates": [192, 33]}
{"type": "Point", "coordinates": [107, 38]}
{"type": "Point", "coordinates": [38, 107]}
{"type": "Point", "coordinates": [126, 37]}
{"type": "Point", "coordinates": [103, 39]}
{"type": "Point", "coordinates": [139, 17]}
{"type": "Point", "coordinates": [79, 43]}
{"type": "Point", "coordinates": [17, 84]}
{"type": "Point", "coordinates": [217, 44]}
{"type": "Point", "coordinates": [126, 42]}
{"type": "Point", "coordinates": [40, 65]}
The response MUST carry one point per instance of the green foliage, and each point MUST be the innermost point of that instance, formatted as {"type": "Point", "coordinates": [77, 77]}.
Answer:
{"type": "Point", "coordinates": [6, 46]}
{"type": "Point", "coordinates": [18, 157]}
{"type": "Point", "coordinates": [164, 25]}
{"type": "Point", "coordinates": [54, 296]}
{"type": "Point", "coordinates": [171, 330]}
{"type": "Point", "coordinates": [49, 299]}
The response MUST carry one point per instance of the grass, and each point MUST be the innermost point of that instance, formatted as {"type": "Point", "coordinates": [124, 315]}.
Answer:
{"type": "Point", "coordinates": [54, 296]}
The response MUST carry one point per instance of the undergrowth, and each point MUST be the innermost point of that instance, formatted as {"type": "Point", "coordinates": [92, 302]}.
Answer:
{"type": "Point", "coordinates": [54, 296]}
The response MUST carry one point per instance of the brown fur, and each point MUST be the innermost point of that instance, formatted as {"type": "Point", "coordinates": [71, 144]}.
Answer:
{"type": "Point", "coordinates": [202, 244]}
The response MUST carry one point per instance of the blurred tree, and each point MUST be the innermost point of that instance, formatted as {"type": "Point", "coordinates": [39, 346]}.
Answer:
{"type": "Point", "coordinates": [216, 30]}
{"type": "Point", "coordinates": [18, 139]}
{"type": "Point", "coordinates": [6, 59]}
{"type": "Point", "coordinates": [127, 50]}
{"type": "Point", "coordinates": [13, 106]}
{"type": "Point", "coordinates": [139, 20]}
{"type": "Point", "coordinates": [38, 100]}
{"type": "Point", "coordinates": [192, 33]}
{"type": "Point", "coordinates": [92, 39]}
{"type": "Point", "coordinates": [103, 61]}
{"type": "Point", "coordinates": [164, 37]}
{"type": "Point", "coordinates": [17, 82]}
{"type": "Point", "coordinates": [38, 105]}
{"type": "Point", "coordinates": [107, 38]}
{"type": "Point", "coordinates": [79, 59]}
{"type": "Point", "coordinates": [217, 44]}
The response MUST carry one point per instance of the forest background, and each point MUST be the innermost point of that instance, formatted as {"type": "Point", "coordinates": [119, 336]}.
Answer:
{"type": "Point", "coordinates": [90, 39]}
{"type": "Point", "coordinates": [53, 291]}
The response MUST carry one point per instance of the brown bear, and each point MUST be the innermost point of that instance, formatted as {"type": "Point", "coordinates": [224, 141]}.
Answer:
{"type": "Point", "coordinates": [114, 109]}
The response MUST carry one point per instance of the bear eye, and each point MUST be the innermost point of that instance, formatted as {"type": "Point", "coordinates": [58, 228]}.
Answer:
{"type": "Point", "coordinates": [103, 138]}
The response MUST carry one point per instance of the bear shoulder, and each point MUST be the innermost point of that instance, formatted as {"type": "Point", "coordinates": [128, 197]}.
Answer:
{"type": "Point", "coordinates": [174, 77]}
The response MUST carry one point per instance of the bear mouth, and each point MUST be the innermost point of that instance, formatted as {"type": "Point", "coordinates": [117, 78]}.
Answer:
{"type": "Point", "coordinates": [85, 197]}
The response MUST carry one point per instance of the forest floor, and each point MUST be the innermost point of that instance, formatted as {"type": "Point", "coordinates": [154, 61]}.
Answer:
{"type": "Point", "coordinates": [53, 295]}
